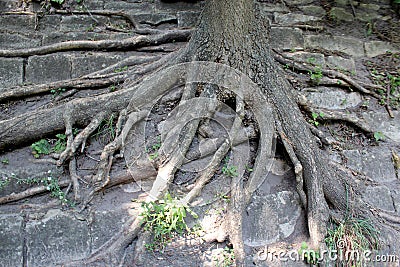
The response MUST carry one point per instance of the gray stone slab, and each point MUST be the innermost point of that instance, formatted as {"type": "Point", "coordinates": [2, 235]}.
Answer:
{"type": "Point", "coordinates": [348, 45]}
{"type": "Point", "coordinates": [367, 16]}
{"type": "Point", "coordinates": [48, 68]}
{"type": "Point", "coordinates": [18, 23]}
{"type": "Point", "coordinates": [396, 200]}
{"type": "Point", "coordinates": [282, 210]}
{"type": "Point", "coordinates": [283, 38]}
{"type": "Point", "coordinates": [132, 7]}
{"type": "Point", "coordinates": [49, 23]}
{"type": "Point", "coordinates": [341, 14]}
{"type": "Point", "coordinates": [12, 240]}
{"type": "Point", "coordinates": [298, 2]}
{"type": "Point", "coordinates": [376, 48]}
{"type": "Point", "coordinates": [341, 63]}
{"type": "Point", "coordinates": [175, 6]}
{"type": "Point", "coordinates": [330, 98]}
{"type": "Point", "coordinates": [11, 72]}
{"type": "Point", "coordinates": [51, 38]}
{"type": "Point", "coordinates": [294, 18]}
{"type": "Point", "coordinates": [379, 121]}
{"type": "Point", "coordinates": [155, 18]}
{"type": "Point", "coordinates": [379, 197]}
{"type": "Point", "coordinates": [313, 10]}
{"type": "Point", "coordinates": [90, 62]}
{"type": "Point", "coordinates": [19, 41]}
{"type": "Point", "coordinates": [81, 22]}
{"type": "Point", "coordinates": [105, 225]}
{"type": "Point", "coordinates": [188, 18]}
{"type": "Point", "coordinates": [55, 239]}
{"type": "Point", "coordinates": [314, 58]}
{"type": "Point", "coordinates": [275, 7]}
{"type": "Point", "coordinates": [8, 5]}
{"type": "Point", "coordinates": [375, 162]}
{"type": "Point", "coordinates": [95, 5]}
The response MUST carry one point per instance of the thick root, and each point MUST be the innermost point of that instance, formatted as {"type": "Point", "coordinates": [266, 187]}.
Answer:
{"type": "Point", "coordinates": [124, 44]}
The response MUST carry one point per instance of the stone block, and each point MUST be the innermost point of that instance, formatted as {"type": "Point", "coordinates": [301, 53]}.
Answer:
{"type": "Point", "coordinates": [334, 99]}
{"type": "Point", "coordinates": [293, 18]}
{"type": "Point", "coordinates": [95, 5]}
{"type": "Point", "coordinates": [12, 240]}
{"type": "Point", "coordinates": [11, 72]}
{"type": "Point", "coordinates": [105, 225]}
{"type": "Point", "coordinates": [367, 16]}
{"type": "Point", "coordinates": [376, 48]}
{"type": "Point", "coordinates": [56, 239]}
{"type": "Point", "coordinates": [48, 68]}
{"type": "Point", "coordinates": [155, 19]}
{"type": "Point", "coordinates": [81, 22]}
{"type": "Point", "coordinates": [19, 41]}
{"type": "Point", "coordinates": [188, 18]}
{"type": "Point", "coordinates": [379, 121]}
{"type": "Point", "coordinates": [379, 197]}
{"type": "Point", "coordinates": [282, 210]}
{"type": "Point", "coordinates": [375, 163]}
{"type": "Point", "coordinates": [314, 58]}
{"type": "Point", "coordinates": [313, 10]}
{"type": "Point", "coordinates": [8, 5]}
{"type": "Point", "coordinates": [175, 6]}
{"type": "Point", "coordinates": [18, 23]}
{"type": "Point", "coordinates": [49, 23]}
{"type": "Point", "coordinates": [131, 7]}
{"type": "Point", "coordinates": [283, 38]}
{"type": "Point", "coordinates": [348, 45]}
{"type": "Point", "coordinates": [276, 7]}
{"type": "Point", "coordinates": [341, 14]}
{"type": "Point", "coordinates": [341, 63]}
{"type": "Point", "coordinates": [298, 2]}
{"type": "Point", "coordinates": [90, 62]}
{"type": "Point", "coordinates": [52, 38]}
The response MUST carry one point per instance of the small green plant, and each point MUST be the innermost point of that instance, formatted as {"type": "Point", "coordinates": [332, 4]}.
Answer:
{"type": "Point", "coordinates": [350, 239]}
{"type": "Point", "coordinates": [316, 74]}
{"type": "Point", "coordinates": [310, 256]}
{"type": "Point", "coordinates": [57, 91]}
{"type": "Point", "coordinates": [228, 258]}
{"type": "Point", "coordinates": [4, 181]}
{"type": "Point", "coordinates": [230, 171]}
{"type": "Point", "coordinates": [124, 68]}
{"type": "Point", "coordinates": [164, 219]}
{"type": "Point", "coordinates": [61, 143]}
{"type": "Point", "coordinates": [5, 161]}
{"type": "Point", "coordinates": [379, 136]}
{"type": "Point", "coordinates": [60, 2]}
{"type": "Point", "coordinates": [154, 149]}
{"type": "Point", "coordinates": [49, 182]}
{"type": "Point", "coordinates": [112, 88]}
{"type": "Point", "coordinates": [315, 117]}
{"type": "Point", "coordinates": [107, 129]}
{"type": "Point", "coordinates": [223, 197]}
{"type": "Point", "coordinates": [41, 147]}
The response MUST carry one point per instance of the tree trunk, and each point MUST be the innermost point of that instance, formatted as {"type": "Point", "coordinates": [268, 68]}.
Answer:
{"type": "Point", "coordinates": [234, 33]}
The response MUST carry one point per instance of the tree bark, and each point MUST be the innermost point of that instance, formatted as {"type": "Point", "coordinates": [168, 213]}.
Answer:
{"type": "Point", "coordinates": [233, 32]}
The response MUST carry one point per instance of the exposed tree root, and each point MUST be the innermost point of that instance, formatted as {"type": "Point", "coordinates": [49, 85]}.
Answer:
{"type": "Point", "coordinates": [79, 83]}
{"type": "Point", "coordinates": [74, 143]}
{"type": "Point", "coordinates": [75, 179]}
{"type": "Point", "coordinates": [306, 67]}
{"type": "Point", "coordinates": [123, 44]}
{"type": "Point", "coordinates": [298, 168]}
{"type": "Point", "coordinates": [335, 115]}
{"type": "Point", "coordinates": [130, 61]}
